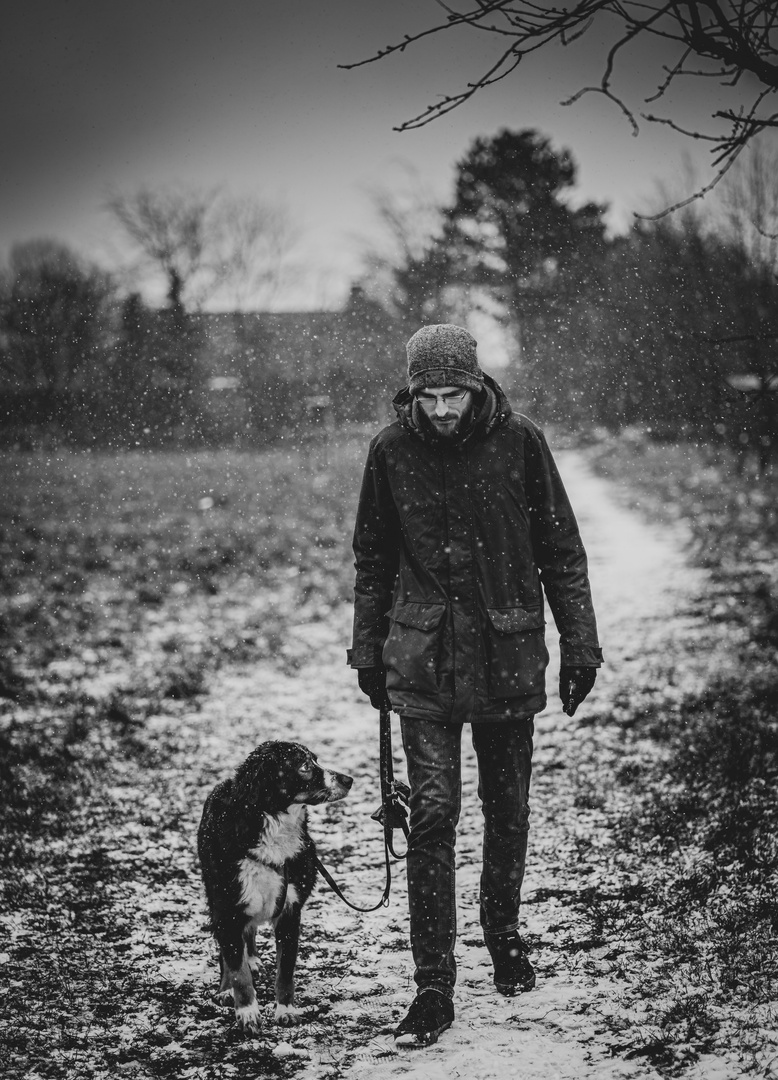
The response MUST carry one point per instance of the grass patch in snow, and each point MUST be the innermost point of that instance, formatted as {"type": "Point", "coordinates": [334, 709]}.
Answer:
{"type": "Point", "coordinates": [126, 581]}
{"type": "Point", "coordinates": [695, 819]}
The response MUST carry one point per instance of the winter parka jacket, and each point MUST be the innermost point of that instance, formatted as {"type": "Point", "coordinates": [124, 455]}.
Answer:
{"type": "Point", "coordinates": [452, 545]}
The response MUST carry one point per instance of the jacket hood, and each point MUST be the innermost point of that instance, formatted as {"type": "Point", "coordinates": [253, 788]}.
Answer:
{"type": "Point", "coordinates": [494, 410]}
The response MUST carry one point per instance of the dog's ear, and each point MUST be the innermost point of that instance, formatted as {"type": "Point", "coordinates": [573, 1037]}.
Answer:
{"type": "Point", "coordinates": [250, 783]}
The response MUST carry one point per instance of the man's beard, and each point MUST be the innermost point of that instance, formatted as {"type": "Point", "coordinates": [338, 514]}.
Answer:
{"type": "Point", "coordinates": [449, 432]}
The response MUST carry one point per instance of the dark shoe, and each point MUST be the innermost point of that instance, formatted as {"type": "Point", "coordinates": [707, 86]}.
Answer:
{"type": "Point", "coordinates": [430, 1014]}
{"type": "Point", "coordinates": [513, 973]}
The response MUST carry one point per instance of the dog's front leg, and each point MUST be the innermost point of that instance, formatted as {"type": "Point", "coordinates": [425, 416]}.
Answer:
{"type": "Point", "coordinates": [287, 939]}
{"type": "Point", "coordinates": [251, 948]}
{"type": "Point", "coordinates": [236, 976]}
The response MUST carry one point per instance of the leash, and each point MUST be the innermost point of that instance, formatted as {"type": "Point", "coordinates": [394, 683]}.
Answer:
{"type": "Point", "coordinates": [394, 794]}
{"type": "Point", "coordinates": [392, 814]}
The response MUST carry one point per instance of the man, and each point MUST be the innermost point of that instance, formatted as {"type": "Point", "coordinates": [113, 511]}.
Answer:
{"type": "Point", "coordinates": [462, 516]}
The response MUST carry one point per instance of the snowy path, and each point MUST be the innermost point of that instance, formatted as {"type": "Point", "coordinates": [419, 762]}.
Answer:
{"type": "Point", "coordinates": [359, 965]}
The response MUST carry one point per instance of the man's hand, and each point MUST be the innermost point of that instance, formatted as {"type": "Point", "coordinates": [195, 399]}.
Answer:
{"type": "Point", "coordinates": [574, 684]}
{"type": "Point", "coordinates": [372, 681]}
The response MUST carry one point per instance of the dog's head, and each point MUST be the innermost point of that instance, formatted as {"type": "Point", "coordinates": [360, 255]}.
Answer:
{"type": "Point", "coordinates": [279, 774]}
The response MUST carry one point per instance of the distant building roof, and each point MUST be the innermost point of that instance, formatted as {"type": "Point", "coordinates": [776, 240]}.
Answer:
{"type": "Point", "coordinates": [306, 343]}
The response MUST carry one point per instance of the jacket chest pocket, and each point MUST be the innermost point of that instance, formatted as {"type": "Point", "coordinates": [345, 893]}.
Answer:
{"type": "Point", "coordinates": [516, 651]}
{"type": "Point", "coordinates": [412, 648]}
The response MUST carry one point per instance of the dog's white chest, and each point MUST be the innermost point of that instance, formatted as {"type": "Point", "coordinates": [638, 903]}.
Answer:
{"type": "Point", "coordinates": [261, 874]}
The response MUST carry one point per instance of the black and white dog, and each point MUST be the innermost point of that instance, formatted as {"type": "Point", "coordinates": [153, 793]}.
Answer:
{"type": "Point", "coordinates": [258, 866]}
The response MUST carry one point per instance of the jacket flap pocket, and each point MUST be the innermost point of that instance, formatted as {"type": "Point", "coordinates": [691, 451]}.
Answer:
{"type": "Point", "coordinates": [512, 620]}
{"type": "Point", "coordinates": [419, 616]}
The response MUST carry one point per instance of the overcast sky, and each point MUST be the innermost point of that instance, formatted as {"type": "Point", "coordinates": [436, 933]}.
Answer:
{"type": "Point", "coordinates": [100, 96]}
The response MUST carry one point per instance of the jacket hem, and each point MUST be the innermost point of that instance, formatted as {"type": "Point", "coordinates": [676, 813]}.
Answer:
{"type": "Point", "coordinates": [506, 714]}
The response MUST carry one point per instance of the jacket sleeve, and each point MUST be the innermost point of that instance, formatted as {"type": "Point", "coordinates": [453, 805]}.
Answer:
{"type": "Point", "coordinates": [377, 553]}
{"type": "Point", "coordinates": [560, 556]}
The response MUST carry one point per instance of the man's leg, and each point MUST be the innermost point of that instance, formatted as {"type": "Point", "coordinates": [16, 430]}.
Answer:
{"type": "Point", "coordinates": [504, 753]}
{"type": "Point", "coordinates": [432, 752]}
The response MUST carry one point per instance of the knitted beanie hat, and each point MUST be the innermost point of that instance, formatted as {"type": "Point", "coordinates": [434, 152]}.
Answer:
{"type": "Point", "coordinates": [443, 355]}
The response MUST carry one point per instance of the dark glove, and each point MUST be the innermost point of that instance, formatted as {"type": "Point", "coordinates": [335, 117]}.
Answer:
{"type": "Point", "coordinates": [372, 681]}
{"type": "Point", "coordinates": [574, 684]}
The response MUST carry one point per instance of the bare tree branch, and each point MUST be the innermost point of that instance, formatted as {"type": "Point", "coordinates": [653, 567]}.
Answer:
{"type": "Point", "coordinates": [699, 194]}
{"type": "Point", "coordinates": [205, 243]}
{"type": "Point", "coordinates": [739, 37]}
{"type": "Point", "coordinates": [611, 97]}
{"type": "Point", "coordinates": [432, 112]}
{"type": "Point", "coordinates": [671, 75]}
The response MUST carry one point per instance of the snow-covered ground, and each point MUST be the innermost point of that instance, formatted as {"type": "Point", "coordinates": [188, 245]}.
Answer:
{"type": "Point", "coordinates": [359, 966]}
{"type": "Point", "coordinates": [355, 971]}
{"type": "Point", "coordinates": [109, 969]}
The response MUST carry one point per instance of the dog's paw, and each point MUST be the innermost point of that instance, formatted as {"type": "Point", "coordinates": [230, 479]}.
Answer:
{"type": "Point", "coordinates": [289, 1015]}
{"type": "Point", "coordinates": [254, 965]}
{"type": "Point", "coordinates": [224, 997]}
{"type": "Point", "coordinates": [248, 1016]}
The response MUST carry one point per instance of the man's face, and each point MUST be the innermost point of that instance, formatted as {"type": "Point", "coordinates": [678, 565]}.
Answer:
{"type": "Point", "coordinates": [447, 408]}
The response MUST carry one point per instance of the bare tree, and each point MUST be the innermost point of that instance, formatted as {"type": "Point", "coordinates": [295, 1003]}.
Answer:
{"type": "Point", "coordinates": [720, 40]}
{"type": "Point", "coordinates": [252, 246]}
{"type": "Point", "coordinates": [749, 198]}
{"type": "Point", "coordinates": [407, 270]}
{"type": "Point", "coordinates": [205, 242]}
{"type": "Point", "coordinates": [410, 218]}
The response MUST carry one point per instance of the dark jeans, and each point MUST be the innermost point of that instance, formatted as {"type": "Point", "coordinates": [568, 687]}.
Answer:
{"type": "Point", "coordinates": [432, 750]}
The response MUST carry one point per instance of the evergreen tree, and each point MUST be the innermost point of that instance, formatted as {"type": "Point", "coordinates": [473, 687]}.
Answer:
{"type": "Point", "coordinates": [512, 231]}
